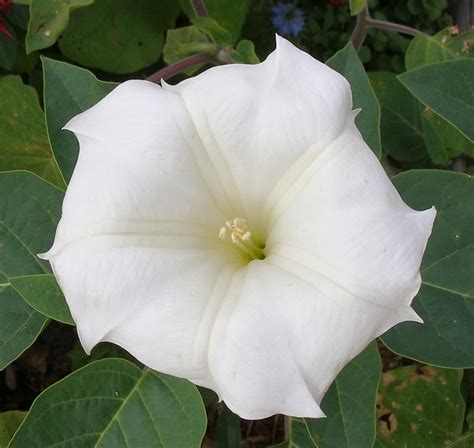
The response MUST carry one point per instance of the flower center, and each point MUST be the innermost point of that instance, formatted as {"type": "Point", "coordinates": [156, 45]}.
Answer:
{"type": "Point", "coordinates": [241, 236]}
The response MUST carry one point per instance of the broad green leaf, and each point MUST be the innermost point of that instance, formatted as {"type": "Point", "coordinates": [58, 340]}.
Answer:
{"type": "Point", "coordinates": [23, 138]}
{"type": "Point", "coordinates": [42, 293]}
{"type": "Point", "coordinates": [228, 431]}
{"type": "Point", "coordinates": [349, 405]}
{"type": "Point", "coordinates": [48, 19]}
{"type": "Point", "coordinates": [9, 423]}
{"type": "Point", "coordinates": [68, 90]}
{"type": "Point", "coordinates": [446, 88]}
{"type": "Point", "coordinates": [443, 46]}
{"type": "Point", "coordinates": [79, 358]}
{"type": "Point", "coordinates": [118, 36]}
{"type": "Point", "coordinates": [434, 141]}
{"type": "Point", "coordinates": [348, 64]}
{"type": "Point", "coordinates": [112, 403]}
{"type": "Point", "coordinates": [445, 301]}
{"type": "Point", "coordinates": [419, 407]}
{"type": "Point", "coordinates": [29, 213]}
{"type": "Point", "coordinates": [230, 14]}
{"type": "Point", "coordinates": [357, 6]}
{"type": "Point", "coordinates": [400, 124]}
{"type": "Point", "coordinates": [20, 324]}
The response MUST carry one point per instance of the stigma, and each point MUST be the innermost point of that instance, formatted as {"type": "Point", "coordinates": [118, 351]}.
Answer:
{"type": "Point", "coordinates": [241, 236]}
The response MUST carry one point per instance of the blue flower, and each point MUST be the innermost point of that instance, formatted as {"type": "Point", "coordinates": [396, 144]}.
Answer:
{"type": "Point", "coordinates": [287, 19]}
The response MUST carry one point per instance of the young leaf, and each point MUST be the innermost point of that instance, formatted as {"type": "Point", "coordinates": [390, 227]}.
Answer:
{"type": "Point", "coordinates": [9, 422]}
{"type": "Point", "coordinates": [208, 25]}
{"type": "Point", "coordinates": [445, 301]}
{"type": "Point", "coordinates": [357, 6]}
{"type": "Point", "coordinates": [112, 403]}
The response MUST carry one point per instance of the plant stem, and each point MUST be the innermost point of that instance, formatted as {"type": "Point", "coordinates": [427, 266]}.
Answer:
{"type": "Point", "coordinates": [360, 30]}
{"type": "Point", "coordinates": [199, 8]}
{"type": "Point", "coordinates": [364, 22]}
{"type": "Point", "coordinates": [181, 66]}
{"type": "Point", "coordinates": [384, 25]}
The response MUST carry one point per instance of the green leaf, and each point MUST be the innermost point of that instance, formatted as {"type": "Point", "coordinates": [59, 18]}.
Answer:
{"type": "Point", "coordinates": [229, 14]}
{"type": "Point", "coordinates": [23, 138]}
{"type": "Point", "coordinates": [400, 124]}
{"type": "Point", "coordinates": [434, 141]}
{"type": "Point", "coordinates": [112, 403]}
{"type": "Point", "coordinates": [349, 405]}
{"type": "Point", "coordinates": [186, 41]}
{"type": "Point", "coordinates": [42, 293]}
{"type": "Point", "coordinates": [445, 301]}
{"type": "Point", "coordinates": [348, 64]}
{"type": "Point", "coordinates": [20, 324]}
{"type": "Point", "coordinates": [228, 431]}
{"type": "Point", "coordinates": [244, 53]}
{"type": "Point", "coordinates": [357, 6]}
{"type": "Point", "coordinates": [118, 36]}
{"type": "Point", "coordinates": [446, 88]}
{"type": "Point", "coordinates": [68, 90]}
{"type": "Point", "coordinates": [419, 407]}
{"type": "Point", "coordinates": [9, 423]}
{"type": "Point", "coordinates": [29, 213]}
{"type": "Point", "coordinates": [48, 19]}
{"type": "Point", "coordinates": [443, 46]}
{"type": "Point", "coordinates": [216, 32]}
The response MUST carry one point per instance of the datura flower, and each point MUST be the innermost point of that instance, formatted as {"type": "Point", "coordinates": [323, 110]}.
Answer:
{"type": "Point", "coordinates": [236, 230]}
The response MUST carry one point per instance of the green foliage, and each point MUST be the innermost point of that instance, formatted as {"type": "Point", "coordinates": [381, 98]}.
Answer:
{"type": "Point", "coordinates": [42, 293]}
{"type": "Point", "coordinates": [48, 19]}
{"type": "Point", "coordinates": [9, 422]}
{"type": "Point", "coordinates": [20, 324]}
{"type": "Point", "coordinates": [400, 125]}
{"type": "Point", "coordinates": [129, 38]}
{"type": "Point", "coordinates": [23, 138]}
{"type": "Point", "coordinates": [348, 64]}
{"type": "Point", "coordinates": [446, 88]}
{"type": "Point", "coordinates": [419, 407]}
{"type": "Point", "coordinates": [445, 301]}
{"type": "Point", "coordinates": [68, 90]}
{"type": "Point", "coordinates": [229, 14]}
{"type": "Point", "coordinates": [349, 405]}
{"type": "Point", "coordinates": [112, 403]}
{"type": "Point", "coordinates": [357, 6]}
{"type": "Point", "coordinates": [29, 214]}
{"type": "Point", "coordinates": [443, 46]}
{"type": "Point", "coordinates": [228, 430]}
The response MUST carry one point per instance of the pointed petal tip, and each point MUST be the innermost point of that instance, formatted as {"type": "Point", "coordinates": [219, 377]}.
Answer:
{"type": "Point", "coordinates": [87, 338]}
{"type": "Point", "coordinates": [44, 256]}
{"type": "Point", "coordinates": [414, 317]}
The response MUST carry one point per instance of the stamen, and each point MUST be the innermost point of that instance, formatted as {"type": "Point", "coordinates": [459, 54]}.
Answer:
{"type": "Point", "coordinates": [242, 237]}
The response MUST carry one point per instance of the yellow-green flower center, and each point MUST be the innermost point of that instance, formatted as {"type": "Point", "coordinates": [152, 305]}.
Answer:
{"type": "Point", "coordinates": [241, 236]}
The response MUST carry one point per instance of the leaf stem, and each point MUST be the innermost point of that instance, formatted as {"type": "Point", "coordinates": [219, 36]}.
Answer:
{"type": "Point", "coordinates": [199, 8]}
{"type": "Point", "coordinates": [364, 22]}
{"type": "Point", "coordinates": [181, 66]}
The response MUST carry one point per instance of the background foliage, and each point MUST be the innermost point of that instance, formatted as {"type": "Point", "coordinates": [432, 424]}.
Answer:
{"type": "Point", "coordinates": [413, 387]}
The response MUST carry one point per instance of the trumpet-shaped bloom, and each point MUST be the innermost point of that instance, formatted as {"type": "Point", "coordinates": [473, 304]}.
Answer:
{"type": "Point", "coordinates": [236, 230]}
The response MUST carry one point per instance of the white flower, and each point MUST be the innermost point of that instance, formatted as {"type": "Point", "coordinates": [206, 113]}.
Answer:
{"type": "Point", "coordinates": [236, 230]}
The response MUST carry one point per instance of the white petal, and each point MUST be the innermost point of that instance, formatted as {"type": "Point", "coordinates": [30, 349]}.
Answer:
{"type": "Point", "coordinates": [157, 303]}
{"type": "Point", "coordinates": [344, 219]}
{"type": "Point", "coordinates": [136, 171]}
{"type": "Point", "coordinates": [256, 120]}
{"type": "Point", "coordinates": [281, 338]}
